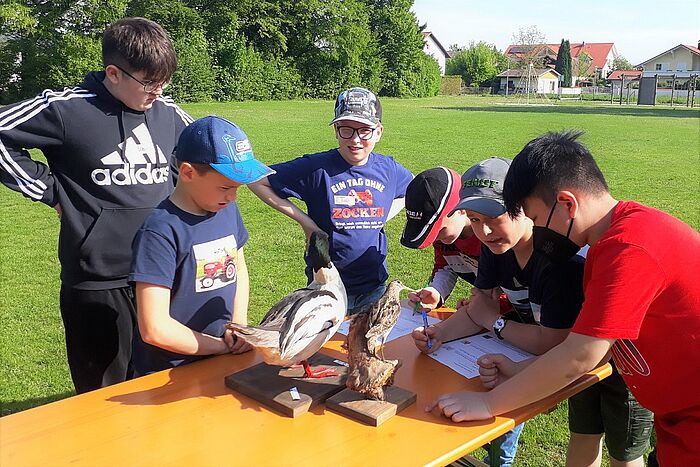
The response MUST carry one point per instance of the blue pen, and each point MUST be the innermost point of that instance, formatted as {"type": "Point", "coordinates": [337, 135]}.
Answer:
{"type": "Point", "coordinates": [425, 326]}
{"type": "Point", "coordinates": [425, 321]}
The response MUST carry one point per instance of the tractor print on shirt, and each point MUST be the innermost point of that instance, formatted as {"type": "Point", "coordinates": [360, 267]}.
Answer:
{"type": "Point", "coordinates": [216, 264]}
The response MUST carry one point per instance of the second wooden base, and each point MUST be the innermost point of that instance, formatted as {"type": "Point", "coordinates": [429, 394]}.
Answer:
{"type": "Point", "coordinates": [357, 406]}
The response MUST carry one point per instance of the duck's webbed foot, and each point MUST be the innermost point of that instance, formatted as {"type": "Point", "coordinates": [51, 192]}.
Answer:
{"type": "Point", "coordinates": [320, 373]}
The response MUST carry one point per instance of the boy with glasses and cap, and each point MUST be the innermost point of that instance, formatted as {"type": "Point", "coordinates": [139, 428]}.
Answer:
{"type": "Point", "coordinates": [108, 145]}
{"type": "Point", "coordinates": [188, 266]}
{"type": "Point", "coordinates": [350, 192]}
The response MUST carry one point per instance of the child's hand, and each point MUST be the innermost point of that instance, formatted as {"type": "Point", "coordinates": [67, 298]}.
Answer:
{"type": "Point", "coordinates": [462, 406]}
{"type": "Point", "coordinates": [495, 368]}
{"type": "Point", "coordinates": [421, 340]}
{"type": "Point", "coordinates": [428, 297]}
{"type": "Point", "coordinates": [240, 346]}
{"type": "Point", "coordinates": [234, 344]}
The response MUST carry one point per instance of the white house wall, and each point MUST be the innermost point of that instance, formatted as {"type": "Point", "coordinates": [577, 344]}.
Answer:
{"type": "Point", "coordinates": [431, 48]}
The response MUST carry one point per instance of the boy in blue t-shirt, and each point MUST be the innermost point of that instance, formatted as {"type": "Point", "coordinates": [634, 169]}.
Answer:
{"type": "Point", "coordinates": [350, 192]}
{"type": "Point", "coordinates": [188, 264]}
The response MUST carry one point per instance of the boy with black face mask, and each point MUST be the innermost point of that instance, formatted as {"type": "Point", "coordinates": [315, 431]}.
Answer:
{"type": "Point", "coordinates": [545, 297]}
{"type": "Point", "coordinates": [642, 298]}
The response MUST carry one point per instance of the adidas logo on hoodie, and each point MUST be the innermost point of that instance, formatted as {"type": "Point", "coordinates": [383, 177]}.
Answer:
{"type": "Point", "coordinates": [137, 162]}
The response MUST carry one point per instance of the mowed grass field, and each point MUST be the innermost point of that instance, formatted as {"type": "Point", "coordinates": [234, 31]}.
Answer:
{"type": "Point", "coordinates": [647, 154]}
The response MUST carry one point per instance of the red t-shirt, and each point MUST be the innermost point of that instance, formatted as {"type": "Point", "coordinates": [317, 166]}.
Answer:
{"type": "Point", "coordinates": [641, 287]}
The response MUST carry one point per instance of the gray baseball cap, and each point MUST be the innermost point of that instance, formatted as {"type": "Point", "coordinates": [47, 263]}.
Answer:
{"type": "Point", "coordinates": [482, 187]}
{"type": "Point", "coordinates": [359, 105]}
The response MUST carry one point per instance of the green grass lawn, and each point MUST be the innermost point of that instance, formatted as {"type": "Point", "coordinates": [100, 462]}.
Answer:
{"type": "Point", "coordinates": [647, 154]}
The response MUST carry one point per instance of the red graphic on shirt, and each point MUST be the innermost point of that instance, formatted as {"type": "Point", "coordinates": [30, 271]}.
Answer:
{"type": "Point", "coordinates": [362, 197]}
{"type": "Point", "coordinates": [629, 359]}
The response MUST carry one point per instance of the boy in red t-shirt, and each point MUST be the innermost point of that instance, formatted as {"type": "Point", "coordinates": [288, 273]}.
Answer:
{"type": "Point", "coordinates": [642, 301]}
{"type": "Point", "coordinates": [431, 220]}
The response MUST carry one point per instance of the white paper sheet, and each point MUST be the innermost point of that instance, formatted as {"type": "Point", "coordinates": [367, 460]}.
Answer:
{"type": "Point", "coordinates": [406, 323]}
{"type": "Point", "coordinates": [461, 355]}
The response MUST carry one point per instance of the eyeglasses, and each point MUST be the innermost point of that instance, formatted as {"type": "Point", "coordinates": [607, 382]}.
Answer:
{"type": "Point", "coordinates": [148, 86]}
{"type": "Point", "coordinates": [348, 132]}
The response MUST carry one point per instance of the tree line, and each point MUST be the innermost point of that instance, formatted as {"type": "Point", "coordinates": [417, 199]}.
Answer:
{"type": "Point", "coordinates": [247, 49]}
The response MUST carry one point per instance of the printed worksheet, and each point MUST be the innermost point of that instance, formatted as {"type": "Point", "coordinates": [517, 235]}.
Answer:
{"type": "Point", "coordinates": [407, 322]}
{"type": "Point", "coordinates": [461, 355]}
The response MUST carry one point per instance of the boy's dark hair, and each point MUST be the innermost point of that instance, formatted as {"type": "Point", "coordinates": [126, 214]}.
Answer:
{"type": "Point", "coordinates": [201, 169]}
{"type": "Point", "coordinates": [139, 44]}
{"type": "Point", "coordinates": [548, 164]}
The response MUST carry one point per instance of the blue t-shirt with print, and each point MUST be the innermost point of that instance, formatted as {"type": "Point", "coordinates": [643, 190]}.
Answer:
{"type": "Point", "coordinates": [351, 204]}
{"type": "Point", "coordinates": [196, 258]}
{"type": "Point", "coordinates": [541, 293]}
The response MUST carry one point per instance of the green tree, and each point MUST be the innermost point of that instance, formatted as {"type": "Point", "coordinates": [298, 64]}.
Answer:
{"type": "Point", "coordinates": [529, 43]}
{"type": "Point", "coordinates": [563, 65]}
{"type": "Point", "coordinates": [58, 45]}
{"type": "Point", "coordinates": [621, 63]}
{"type": "Point", "coordinates": [396, 31]}
{"type": "Point", "coordinates": [584, 65]}
{"type": "Point", "coordinates": [195, 78]}
{"type": "Point", "coordinates": [478, 64]}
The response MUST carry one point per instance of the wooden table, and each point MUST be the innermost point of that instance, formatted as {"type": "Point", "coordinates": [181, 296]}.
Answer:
{"type": "Point", "coordinates": [187, 416]}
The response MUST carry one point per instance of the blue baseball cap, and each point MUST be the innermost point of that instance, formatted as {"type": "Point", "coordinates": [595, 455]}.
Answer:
{"type": "Point", "coordinates": [223, 145]}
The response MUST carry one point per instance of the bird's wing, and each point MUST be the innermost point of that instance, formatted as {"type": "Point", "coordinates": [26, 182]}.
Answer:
{"type": "Point", "coordinates": [311, 322]}
{"type": "Point", "coordinates": [278, 314]}
{"type": "Point", "coordinates": [257, 336]}
{"type": "Point", "coordinates": [383, 317]}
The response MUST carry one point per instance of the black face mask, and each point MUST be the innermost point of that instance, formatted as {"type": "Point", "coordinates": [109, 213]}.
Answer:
{"type": "Point", "coordinates": [555, 246]}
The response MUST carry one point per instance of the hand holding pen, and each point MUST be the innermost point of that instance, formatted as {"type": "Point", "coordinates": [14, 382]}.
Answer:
{"type": "Point", "coordinates": [425, 323]}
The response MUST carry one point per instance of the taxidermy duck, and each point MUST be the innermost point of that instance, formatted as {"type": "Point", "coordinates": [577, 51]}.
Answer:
{"type": "Point", "coordinates": [368, 372]}
{"type": "Point", "coordinates": [298, 325]}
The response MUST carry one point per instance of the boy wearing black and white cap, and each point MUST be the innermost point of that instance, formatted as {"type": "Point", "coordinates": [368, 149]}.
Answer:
{"type": "Point", "coordinates": [431, 219]}
{"type": "Point", "coordinates": [350, 192]}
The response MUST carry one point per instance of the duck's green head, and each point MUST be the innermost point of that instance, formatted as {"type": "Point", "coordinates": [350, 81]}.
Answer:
{"type": "Point", "coordinates": [318, 250]}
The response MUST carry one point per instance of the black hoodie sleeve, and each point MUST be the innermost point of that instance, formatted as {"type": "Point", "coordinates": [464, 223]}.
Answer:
{"type": "Point", "coordinates": [34, 123]}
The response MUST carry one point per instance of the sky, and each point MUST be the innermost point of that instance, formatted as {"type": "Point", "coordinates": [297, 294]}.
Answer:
{"type": "Point", "coordinates": [640, 29]}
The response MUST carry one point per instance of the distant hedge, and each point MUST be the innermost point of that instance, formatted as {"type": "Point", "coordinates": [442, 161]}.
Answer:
{"type": "Point", "coordinates": [451, 85]}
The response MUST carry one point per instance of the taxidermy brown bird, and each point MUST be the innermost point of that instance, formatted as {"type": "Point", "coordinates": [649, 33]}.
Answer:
{"type": "Point", "coordinates": [369, 373]}
{"type": "Point", "coordinates": [298, 325]}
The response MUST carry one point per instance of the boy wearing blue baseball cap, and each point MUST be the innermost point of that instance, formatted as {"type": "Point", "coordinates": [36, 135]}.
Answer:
{"type": "Point", "coordinates": [188, 265]}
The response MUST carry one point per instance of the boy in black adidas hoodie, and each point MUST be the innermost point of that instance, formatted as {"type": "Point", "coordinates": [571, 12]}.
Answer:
{"type": "Point", "coordinates": [108, 143]}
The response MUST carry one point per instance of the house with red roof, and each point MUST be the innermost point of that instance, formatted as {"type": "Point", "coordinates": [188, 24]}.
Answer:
{"type": "Point", "coordinates": [599, 61]}
{"type": "Point", "coordinates": [681, 60]}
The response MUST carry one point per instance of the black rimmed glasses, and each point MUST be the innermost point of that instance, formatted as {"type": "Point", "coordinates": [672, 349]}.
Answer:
{"type": "Point", "coordinates": [148, 86]}
{"type": "Point", "coordinates": [348, 132]}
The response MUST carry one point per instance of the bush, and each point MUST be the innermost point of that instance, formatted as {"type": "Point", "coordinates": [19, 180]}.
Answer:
{"type": "Point", "coordinates": [248, 76]}
{"type": "Point", "coordinates": [194, 80]}
{"type": "Point", "coordinates": [451, 85]}
{"type": "Point", "coordinates": [423, 81]}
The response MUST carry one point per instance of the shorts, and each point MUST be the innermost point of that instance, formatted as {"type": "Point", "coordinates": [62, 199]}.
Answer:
{"type": "Point", "coordinates": [609, 408]}
{"type": "Point", "coordinates": [358, 302]}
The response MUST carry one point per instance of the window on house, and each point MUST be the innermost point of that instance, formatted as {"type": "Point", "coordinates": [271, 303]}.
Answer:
{"type": "Point", "coordinates": [657, 67]}
{"type": "Point", "coordinates": [682, 67]}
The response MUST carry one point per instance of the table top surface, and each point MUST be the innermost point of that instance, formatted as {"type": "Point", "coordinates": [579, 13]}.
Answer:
{"type": "Point", "coordinates": [188, 416]}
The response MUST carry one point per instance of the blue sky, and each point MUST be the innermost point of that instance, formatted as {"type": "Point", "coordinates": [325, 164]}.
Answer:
{"type": "Point", "coordinates": [640, 29]}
